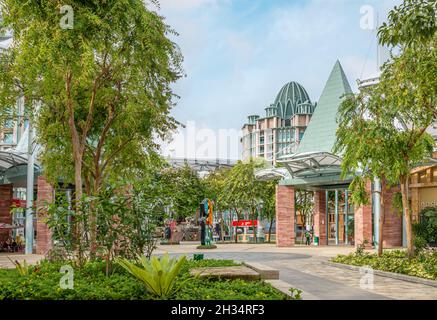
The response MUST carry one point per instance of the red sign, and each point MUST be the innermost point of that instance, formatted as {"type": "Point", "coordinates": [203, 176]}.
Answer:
{"type": "Point", "coordinates": [19, 203]}
{"type": "Point", "coordinates": [245, 223]}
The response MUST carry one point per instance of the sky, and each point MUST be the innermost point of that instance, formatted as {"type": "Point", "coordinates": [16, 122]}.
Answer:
{"type": "Point", "coordinates": [239, 53]}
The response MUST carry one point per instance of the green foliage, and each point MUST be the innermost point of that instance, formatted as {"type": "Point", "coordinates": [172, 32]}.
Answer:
{"type": "Point", "coordinates": [296, 294]}
{"type": "Point", "coordinates": [423, 265]}
{"type": "Point", "coordinates": [425, 230]}
{"type": "Point", "coordinates": [158, 275]}
{"type": "Point", "coordinates": [382, 130]}
{"type": "Point", "coordinates": [91, 283]}
{"type": "Point", "coordinates": [360, 248]}
{"type": "Point", "coordinates": [119, 65]}
{"type": "Point", "coordinates": [182, 190]}
{"type": "Point", "coordinates": [241, 190]}
{"type": "Point", "coordinates": [211, 246]}
{"type": "Point", "coordinates": [22, 269]}
{"type": "Point", "coordinates": [126, 220]}
{"type": "Point", "coordinates": [413, 22]}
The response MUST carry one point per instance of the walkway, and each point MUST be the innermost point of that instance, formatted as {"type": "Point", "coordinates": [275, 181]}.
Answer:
{"type": "Point", "coordinates": [303, 268]}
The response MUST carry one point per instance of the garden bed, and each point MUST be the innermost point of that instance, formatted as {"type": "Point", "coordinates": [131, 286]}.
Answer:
{"type": "Point", "coordinates": [90, 283]}
{"type": "Point", "coordinates": [424, 265]}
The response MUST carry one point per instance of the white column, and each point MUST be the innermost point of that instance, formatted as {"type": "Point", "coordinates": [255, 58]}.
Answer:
{"type": "Point", "coordinates": [29, 191]}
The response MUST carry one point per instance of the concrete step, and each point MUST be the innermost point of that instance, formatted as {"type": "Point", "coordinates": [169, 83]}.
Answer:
{"type": "Point", "coordinates": [234, 272]}
{"type": "Point", "coordinates": [265, 272]}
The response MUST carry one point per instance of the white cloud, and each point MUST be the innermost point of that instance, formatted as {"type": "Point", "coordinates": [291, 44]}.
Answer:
{"type": "Point", "coordinates": [238, 57]}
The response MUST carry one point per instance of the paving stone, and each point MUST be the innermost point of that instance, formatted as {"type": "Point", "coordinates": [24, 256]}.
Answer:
{"type": "Point", "coordinates": [234, 272]}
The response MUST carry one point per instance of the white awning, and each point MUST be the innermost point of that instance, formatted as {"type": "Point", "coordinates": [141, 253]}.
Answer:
{"type": "Point", "coordinates": [271, 174]}
{"type": "Point", "coordinates": [311, 162]}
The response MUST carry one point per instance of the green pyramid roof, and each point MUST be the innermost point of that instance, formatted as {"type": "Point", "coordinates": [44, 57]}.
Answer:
{"type": "Point", "coordinates": [320, 133]}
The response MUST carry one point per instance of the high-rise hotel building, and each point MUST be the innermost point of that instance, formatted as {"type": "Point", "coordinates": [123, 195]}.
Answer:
{"type": "Point", "coordinates": [282, 128]}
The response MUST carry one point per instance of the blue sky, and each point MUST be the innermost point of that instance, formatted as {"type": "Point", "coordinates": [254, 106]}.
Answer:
{"type": "Point", "coordinates": [239, 53]}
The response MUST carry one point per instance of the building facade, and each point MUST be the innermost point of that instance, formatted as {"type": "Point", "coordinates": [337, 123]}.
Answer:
{"type": "Point", "coordinates": [313, 166]}
{"type": "Point", "coordinates": [283, 126]}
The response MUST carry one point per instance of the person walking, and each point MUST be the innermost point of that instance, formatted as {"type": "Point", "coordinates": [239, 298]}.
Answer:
{"type": "Point", "coordinates": [308, 237]}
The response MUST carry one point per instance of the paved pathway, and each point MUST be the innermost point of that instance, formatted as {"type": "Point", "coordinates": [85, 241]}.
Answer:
{"type": "Point", "coordinates": [303, 268]}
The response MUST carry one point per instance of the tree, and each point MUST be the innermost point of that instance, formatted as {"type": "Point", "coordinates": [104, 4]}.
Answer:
{"type": "Point", "coordinates": [268, 198]}
{"type": "Point", "coordinates": [241, 189]}
{"type": "Point", "coordinates": [104, 85]}
{"type": "Point", "coordinates": [214, 184]}
{"type": "Point", "coordinates": [183, 190]}
{"type": "Point", "coordinates": [364, 141]}
{"type": "Point", "coordinates": [388, 122]}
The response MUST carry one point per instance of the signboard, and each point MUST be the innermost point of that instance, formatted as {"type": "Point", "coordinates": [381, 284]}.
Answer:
{"type": "Point", "coordinates": [19, 203]}
{"type": "Point", "coordinates": [245, 223]}
{"type": "Point", "coordinates": [428, 197]}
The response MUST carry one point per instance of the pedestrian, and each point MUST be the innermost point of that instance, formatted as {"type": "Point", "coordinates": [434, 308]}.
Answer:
{"type": "Point", "coordinates": [308, 237]}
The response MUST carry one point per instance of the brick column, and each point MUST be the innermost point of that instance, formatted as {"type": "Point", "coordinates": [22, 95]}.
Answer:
{"type": "Point", "coordinates": [363, 221]}
{"type": "Point", "coordinates": [320, 216]}
{"type": "Point", "coordinates": [392, 228]}
{"type": "Point", "coordinates": [285, 214]}
{"type": "Point", "coordinates": [6, 194]}
{"type": "Point", "coordinates": [43, 234]}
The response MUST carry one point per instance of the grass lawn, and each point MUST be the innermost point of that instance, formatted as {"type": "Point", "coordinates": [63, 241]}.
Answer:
{"type": "Point", "coordinates": [424, 265]}
{"type": "Point", "coordinates": [90, 283]}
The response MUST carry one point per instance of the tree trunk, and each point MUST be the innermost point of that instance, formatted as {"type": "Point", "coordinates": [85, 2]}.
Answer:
{"type": "Point", "coordinates": [222, 228]}
{"type": "Point", "coordinates": [381, 223]}
{"type": "Point", "coordinates": [407, 215]}
{"type": "Point", "coordinates": [77, 158]}
{"type": "Point", "coordinates": [270, 229]}
{"type": "Point", "coordinates": [93, 222]}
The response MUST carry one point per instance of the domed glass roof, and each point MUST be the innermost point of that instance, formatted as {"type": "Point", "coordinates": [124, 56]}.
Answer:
{"type": "Point", "coordinates": [289, 97]}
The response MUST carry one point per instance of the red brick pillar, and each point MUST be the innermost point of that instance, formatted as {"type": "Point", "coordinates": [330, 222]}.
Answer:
{"type": "Point", "coordinates": [392, 228]}
{"type": "Point", "coordinates": [6, 194]}
{"type": "Point", "coordinates": [320, 216]}
{"type": "Point", "coordinates": [363, 221]}
{"type": "Point", "coordinates": [285, 214]}
{"type": "Point", "coordinates": [45, 195]}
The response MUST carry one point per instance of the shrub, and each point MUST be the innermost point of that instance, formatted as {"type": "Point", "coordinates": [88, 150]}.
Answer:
{"type": "Point", "coordinates": [91, 283]}
{"type": "Point", "coordinates": [158, 275]}
{"type": "Point", "coordinates": [425, 230]}
{"type": "Point", "coordinates": [423, 265]}
{"type": "Point", "coordinates": [206, 246]}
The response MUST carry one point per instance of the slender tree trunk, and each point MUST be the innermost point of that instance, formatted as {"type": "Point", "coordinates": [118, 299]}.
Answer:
{"type": "Point", "coordinates": [222, 228]}
{"type": "Point", "coordinates": [93, 221]}
{"type": "Point", "coordinates": [381, 223]}
{"type": "Point", "coordinates": [77, 158]}
{"type": "Point", "coordinates": [270, 229]}
{"type": "Point", "coordinates": [407, 215]}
